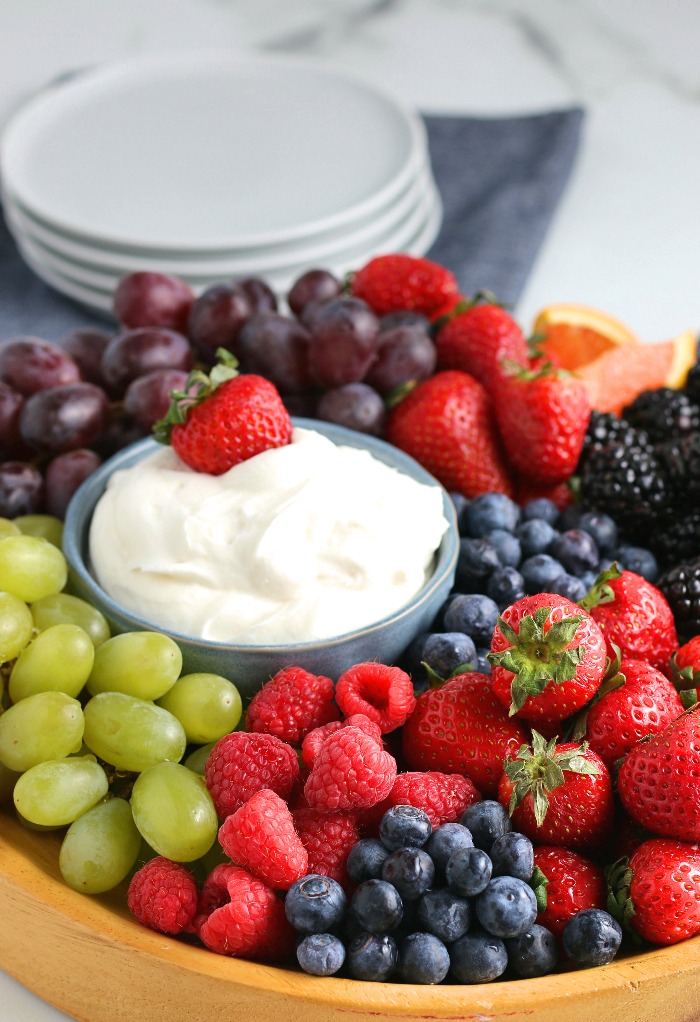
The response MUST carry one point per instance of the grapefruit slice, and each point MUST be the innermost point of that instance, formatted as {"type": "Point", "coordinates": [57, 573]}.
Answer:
{"type": "Point", "coordinates": [571, 335]}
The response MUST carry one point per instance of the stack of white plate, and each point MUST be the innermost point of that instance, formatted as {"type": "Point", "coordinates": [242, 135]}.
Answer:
{"type": "Point", "coordinates": [209, 166]}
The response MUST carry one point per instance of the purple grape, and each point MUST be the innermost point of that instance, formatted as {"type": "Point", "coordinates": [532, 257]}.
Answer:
{"type": "Point", "coordinates": [343, 344]}
{"type": "Point", "coordinates": [261, 296]}
{"type": "Point", "coordinates": [64, 418]}
{"type": "Point", "coordinates": [216, 318]}
{"type": "Point", "coordinates": [276, 347]}
{"type": "Point", "coordinates": [86, 346]}
{"type": "Point", "coordinates": [135, 352]}
{"type": "Point", "coordinates": [21, 489]}
{"type": "Point", "coordinates": [354, 405]}
{"type": "Point", "coordinates": [147, 398]}
{"type": "Point", "coordinates": [301, 404]}
{"type": "Point", "coordinates": [11, 444]}
{"type": "Point", "coordinates": [152, 299]}
{"type": "Point", "coordinates": [64, 474]}
{"type": "Point", "coordinates": [403, 317]}
{"type": "Point", "coordinates": [29, 364]}
{"type": "Point", "coordinates": [120, 433]}
{"type": "Point", "coordinates": [313, 286]}
{"type": "Point", "coordinates": [404, 354]}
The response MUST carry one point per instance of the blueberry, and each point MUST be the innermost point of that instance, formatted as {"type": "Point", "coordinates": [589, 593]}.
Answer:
{"type": "Point", "coordinates": [321, 954]}
{"type": "Point", "coordinates": [476, 560]}
{"type": "Point", "coordinates": [576, 550]}
{"type": "Point", "coordinates": [569, 517]}
{"type": "Point", "coordinates": [589, 579]}
{"type": "Point", "coordinates": [486, 820]}
{"type": "Point", "coordinates": [507, 907]}
{"type": "Point", "coordinates": [372, 957]}
{"type": "Point", "coordinates": [411, 871]}
{"type": "Point", "coordinates": [570, 586]}
{"type": "Point", "coordinates": [461, 503]}
{"type": "Point", "coordinates": [513, 855]}
{"type": "Point", "coordinates": [602, 528]}
{"type": "Point", "coordinates": [505, 586]}
{"type": "Point", "coordinates": [446, 840]}
{"type": "Point", "coordinates": [491, 511]}
{"type": "Point", "coordinates": [535, 536]}
{"type": "Point", "coordinates": [445, 914]}
{"type": "Point", "coordinates": [482, 664]}
{"type": "Point", "coordinates": [477, 957]}
{"type": "Point", "coordinates": [541, 507]}
{"type": "Point", "coordinates": [475, 614]}
{"type": "Point", "coordinates": [423, 958]}
{"type": "Point", "coordinates": [444, 652]}
{"type": "Point", "coordinates": [315, 904]}
{"type": "Point", "coordinates": [507, 546]}
{"type": "Point", "coordinates": [640, 560]}
{"type": "Point", "coordinates": [377, 906]}
{"type": "Point", "coordinates": [591, 937]}
{"type": "Point", "coordinates": [468, 871]}
{"type": "Point", "coordinates": [539, 572]}
{"type": "Point", "coordinates": [533, 953]}
{"type": "Point", "coordinates": [404, 827]}
{"type": "Point", "coordinates": [365, 861]}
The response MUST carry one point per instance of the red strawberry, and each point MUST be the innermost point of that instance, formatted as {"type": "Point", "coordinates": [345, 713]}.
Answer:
{"type": "Point", "coordinates": [542, 417]}
{"type": "Point", "coordinates": [401, 281]}
{"type": "Point", "coordinates": [684, 671]}
{"type": "Point", "coordinates": [291, 704]}
{"type": "Point", "coordinates": [548, 658]}
{"type": "Point", "coordinates": [634, 616]}
{"type": "Point", "coordinates": [444, 797]}
{"type": "Point", "coordinates": [478, 338]}
{"type": "Point", "coordinates": [328, 838]}
{"type": "Point", "coordinates": [381, 692]}
{"type": "Point", "coordinates": [351, 771]}
{"type": "Point", "coordinates": [241, 916]}
{"type": "Point", "coordinates": [462, 728]}
{"type": "Point", "coordinates": [659, 778]}
{"type": "Point", "coordinates": [657, 892]}
{"type": "Point", "coordinates": [447, 424]}
{"type": "Point", "coordinates": [559, 794]}
{"type": "Point", "coordinates": [260, 837]}
{"type": "Point", "coordinates": [223, 419]}
{"type": "Point", "coordinates": [573, 883]}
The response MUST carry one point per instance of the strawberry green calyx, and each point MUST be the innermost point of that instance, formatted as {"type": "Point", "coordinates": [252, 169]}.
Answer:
{"type": "Point", "coordinates": [619, 880]}
{"type": "Point", "coordinates": [538, 658]}
{"type": "Point", "coordinates": [600, 592]}
{"type": "Point", "coordinates": [198, 387]}
{"type": "Point", "coordinates": [539, 883]}
{"type": "Point", "coordinates": [539, 769]}
{"type": "Point", "coordinates": [436, 680]}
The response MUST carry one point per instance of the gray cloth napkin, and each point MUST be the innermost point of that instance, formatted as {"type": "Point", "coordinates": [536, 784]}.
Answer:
{"type": "Point", "coordinates": [500, 180]}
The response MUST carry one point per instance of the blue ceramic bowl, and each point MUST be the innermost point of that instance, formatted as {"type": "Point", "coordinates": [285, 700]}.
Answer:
{"type": "Point", "coordinates": [249, 666]}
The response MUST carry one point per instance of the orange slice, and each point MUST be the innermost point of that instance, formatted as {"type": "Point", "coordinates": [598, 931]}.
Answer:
{"type": "Point", "coordinates": [617, 376]}
{"type": "Point", "coordinates": [573, 335]}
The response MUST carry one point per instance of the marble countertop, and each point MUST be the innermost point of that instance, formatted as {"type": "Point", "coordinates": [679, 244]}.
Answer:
{"type": "Point", "coordinates": [625, 236]}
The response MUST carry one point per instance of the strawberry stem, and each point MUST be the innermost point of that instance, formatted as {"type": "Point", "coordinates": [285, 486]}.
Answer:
{"type": "Point", "coordinates": [600, 592]}
{"type": "Point", "coordinates": [539, 769]}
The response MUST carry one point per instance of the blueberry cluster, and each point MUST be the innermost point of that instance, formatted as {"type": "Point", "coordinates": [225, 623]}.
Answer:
{"type": "Point", "coordinates": [507, 552]}
{"type": "Point", "coordinates": [457, 903]}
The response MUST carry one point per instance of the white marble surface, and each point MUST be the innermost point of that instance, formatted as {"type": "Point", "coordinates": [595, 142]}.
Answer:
{"type": "Point", "coordinates": [626, 237]}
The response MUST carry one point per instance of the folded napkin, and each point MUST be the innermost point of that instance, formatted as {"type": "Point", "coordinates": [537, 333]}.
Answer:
{"type": "Point", "coordinates": [500, 180]}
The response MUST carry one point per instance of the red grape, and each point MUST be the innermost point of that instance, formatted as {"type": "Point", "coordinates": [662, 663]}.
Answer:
{"type": "Point", "coordinates": [21, 489]}
{"type": "Point", "coordinates": [86, 346]}
{"type": "Point", "coordinates": [261, 296]}
{"type": "Point", "coordinates": [135, 352]}
{"type": "Point", "coordinates": [64, 418]}
{"type": "Point", "coordinates": [63, 476]}
{"type": "Point", "coordinates": [216, 318]}
{"type": "Point", "coordinates": [29, 364]}
{"type": "Point", "coordinates": [403, 317]}
{"type": "Point", "coordinates": [344, 335]}
{"type": "Point", "coordinates": [404, 354]}
{"type": "Point", "coordinates": [313, 286]}
{"type": "Point", "coordinates": [277, 347]}
{"type": "Point", "coordinates": [152, 299]}
{"type": "Point", "coordinates": [356, 406]}
{"type": "Point", "coordinates": [147, 398]}
{"type": "Point", "coordinates": [11, 443]}
{"type": "Point", "coordinates": [120, 433]}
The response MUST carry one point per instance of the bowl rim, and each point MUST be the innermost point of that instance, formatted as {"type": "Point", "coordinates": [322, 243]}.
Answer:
{"type": "Point", "coordinates": [82, 504]}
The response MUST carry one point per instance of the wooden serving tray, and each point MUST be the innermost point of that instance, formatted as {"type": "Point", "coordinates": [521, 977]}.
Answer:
{"type": "Point", "coordinates": [87, 957]}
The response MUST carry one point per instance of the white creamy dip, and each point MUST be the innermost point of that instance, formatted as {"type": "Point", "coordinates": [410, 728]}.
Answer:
{"type": "Point", "coordinates": [301, 542]}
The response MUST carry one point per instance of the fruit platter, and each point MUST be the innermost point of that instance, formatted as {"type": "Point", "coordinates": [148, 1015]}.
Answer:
{"type": "Point", "coordinates": [350, 647]}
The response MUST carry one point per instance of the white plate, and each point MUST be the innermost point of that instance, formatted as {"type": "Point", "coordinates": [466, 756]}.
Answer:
{"type": "Point", "coordinates": [205, 151]}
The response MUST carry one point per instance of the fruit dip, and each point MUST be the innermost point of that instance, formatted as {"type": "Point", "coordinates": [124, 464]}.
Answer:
{"type": "Point", "coordinates": [302, 542]}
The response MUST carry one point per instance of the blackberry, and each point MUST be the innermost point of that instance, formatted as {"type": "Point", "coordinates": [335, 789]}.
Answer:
{"type": "Point", "coordinates": [679, 540]}
{"type": "Point", "coordinates": [606, 429]}
{"type": "Point", "coordinates": [663, 413]}
{"type": "Point", "coordinates": [687, 474]}
{"type": "Point", "coordinates": [681, 587]}
{"type": "Point", "coordinates": [692, 382]}
{"type": "Point", "coordinates": [628, 484]}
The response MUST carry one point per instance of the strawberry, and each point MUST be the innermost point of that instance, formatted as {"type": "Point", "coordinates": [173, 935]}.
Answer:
{"type": "Point", "coordinates": [634, 616]}
{"type": "Point", "coordinates": [479, 337]}
{"type": "Point", "coordinates": [462, 728]}
{"type": "Point", "coordinates": [447, 424]}
{"type": "Point", "coordinates": [220, 420]}
{"type": "Point", "coordinates": [658, 780]}
{"type": "Point", "coordinates": [260, 837]}
{"type": "Point", "coordinates": [684, 671]}
{"type": "Point", "coordinates": [542, 417]}
{"type": "Point", "coordinates": [656, 894]}
{"type": "Point", "coordinates": [559, 794]}
{"type": "Point", "coordinates": [548, 658]}
{"type": "Point", "coordinates": [401, 281]}
{"type": "Point", "coordinates": [572, 883]}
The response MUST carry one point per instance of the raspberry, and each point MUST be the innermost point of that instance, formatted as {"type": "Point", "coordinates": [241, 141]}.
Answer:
{"type": "Point", "coordinates": [444, 797]}
{"type": "Point", "coordinates": [239, 915]}
{"type": "Point", "coordinates": [260, 837]}
{"type": "Point", "coordinates": [315, 739]}
{"type": "Point", "coordinates": [351, 771]}
{"type": "Point", "coordinates": [382, 693]}
{"type": "Point", "coordinates": [328, 838]}
{"type": "Point", "coordinates": [241, 764]}
{"type": "Point", "coordinates": [162, 895]}
{"type": "Point", "coordinates": [291, 704]}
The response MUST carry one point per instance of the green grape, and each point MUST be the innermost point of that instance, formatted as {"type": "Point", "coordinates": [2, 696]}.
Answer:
{"type": "Point", "coordinates": [59, 659]}
{"type": "Point", "coordinates": [31, 567]}
{"type": "Point", "coordinates": [197, 759]}
{"type": "Point", "coordinates": [8, 527]}
{"type": "Point", "coordinates": [16, 625]}
{"type": "Point", "coordinates": [100, 847]}
{"type": "Point", "coordinates": [131, 734]}
{"type": "Point", "coordinates": [47, 725]}
{"type": "Point", "coordinates": [62, 608]}
{"type": "Point", "coordinates": [174, 812]}
{"type": "Point", "coordinates": [140, 664]}
{"type": "Point", "coordinates": [58, 791]}
{"type": "Point", "coordinates": [47, 526]}
{"type": "Point", "coordinates": [8, 779]}
{"type": "Point", "coordinates": [207, 705]}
